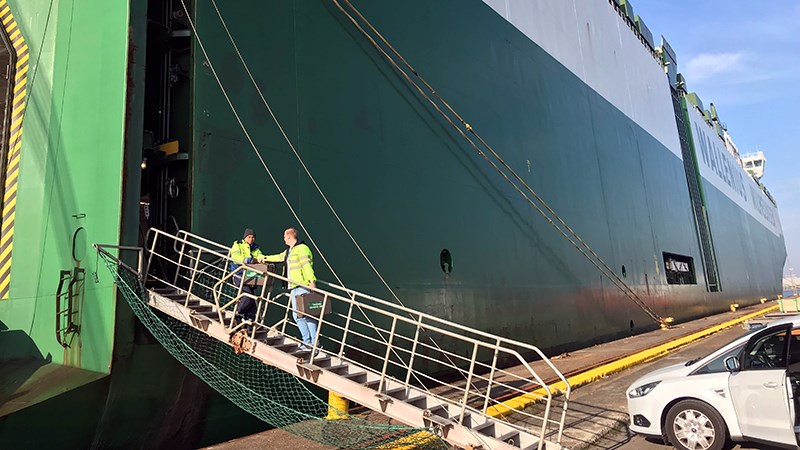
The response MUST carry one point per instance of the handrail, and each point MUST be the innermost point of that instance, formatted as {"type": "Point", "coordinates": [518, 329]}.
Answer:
{"type": "Point", "coordinates": [457, 326]}
{"type": "Point", "coordinates": [140, 265]}
{"type": "Point", "coordinates": [393, 348]}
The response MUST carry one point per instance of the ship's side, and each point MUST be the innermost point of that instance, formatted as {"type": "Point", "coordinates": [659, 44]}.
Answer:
{"type": "Point", "coordinates": [126, 127]}
{"type": "Point", "coordinates": [568, 94]}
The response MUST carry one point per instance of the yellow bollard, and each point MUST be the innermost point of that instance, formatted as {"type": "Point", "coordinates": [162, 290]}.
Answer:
{"type": "Point", "coordinates": [734, 306]}
{"type": "Point", "coordinates": [763, 300]}
{"type": "Point", "coordinates": [338, 407]}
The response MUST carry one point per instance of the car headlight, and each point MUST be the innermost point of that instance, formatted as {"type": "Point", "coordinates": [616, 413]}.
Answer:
{"type": "Point", "coordinates": [643, 390]}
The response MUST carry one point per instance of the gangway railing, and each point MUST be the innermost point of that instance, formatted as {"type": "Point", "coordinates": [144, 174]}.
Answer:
{"type": "Point", "coordinates": [410, 365]}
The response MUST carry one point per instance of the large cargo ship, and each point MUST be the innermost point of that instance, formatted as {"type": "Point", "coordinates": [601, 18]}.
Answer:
{"type": "Point", "coordinates": [121, 116]}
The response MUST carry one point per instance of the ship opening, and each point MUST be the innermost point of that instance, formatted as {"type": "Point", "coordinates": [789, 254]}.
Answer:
{"type": "Point", "coordinates": [167, 135]}
{"type": "Point", "coordinates": [679, 269]}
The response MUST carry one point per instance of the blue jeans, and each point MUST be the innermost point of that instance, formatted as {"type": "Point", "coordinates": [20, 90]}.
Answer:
{"type": "Point", "coordinates": [306, 324]}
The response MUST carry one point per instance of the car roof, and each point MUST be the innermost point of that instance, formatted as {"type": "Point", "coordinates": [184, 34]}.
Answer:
{"type": "Point", "coordinates": [794, 320]}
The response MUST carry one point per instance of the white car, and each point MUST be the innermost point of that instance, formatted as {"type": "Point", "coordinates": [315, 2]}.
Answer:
{"type": "Point", "coordinates": [745, 391]}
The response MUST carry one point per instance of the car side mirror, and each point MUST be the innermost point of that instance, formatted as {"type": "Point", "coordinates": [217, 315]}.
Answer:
{"type": "Point", "coordinates": [732, 364]}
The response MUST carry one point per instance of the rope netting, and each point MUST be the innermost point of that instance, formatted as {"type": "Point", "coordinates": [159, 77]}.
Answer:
{"type": "Point", "coordinates": [276, 397]}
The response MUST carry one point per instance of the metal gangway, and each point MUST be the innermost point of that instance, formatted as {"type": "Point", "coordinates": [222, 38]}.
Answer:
{"type": "Point", "coordinates": [413, 367]}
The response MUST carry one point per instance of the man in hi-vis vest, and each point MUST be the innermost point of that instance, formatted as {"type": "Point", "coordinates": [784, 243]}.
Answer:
{"type": "Point", "coordinates": [300, 272]}
{"type": "Point", "coordinates": [245, 251]}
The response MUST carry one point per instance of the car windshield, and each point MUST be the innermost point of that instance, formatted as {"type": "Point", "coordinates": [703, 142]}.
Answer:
{"type": "Point", "coordinates": [749, 332]}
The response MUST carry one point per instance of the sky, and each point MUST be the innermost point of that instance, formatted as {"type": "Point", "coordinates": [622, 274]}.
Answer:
{"type": "Point", "coordinates": [743, 56]}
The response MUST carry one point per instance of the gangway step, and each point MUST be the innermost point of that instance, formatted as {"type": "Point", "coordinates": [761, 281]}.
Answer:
{"type": "Point", "coordinates": [288, 347]}
{"type": "Point", "coordinates": [397, 390]}
{"type": "Point", "coordinates": [336, 368]}
{"type": "Point", "coordinates": [486, 428]}
{"type": "Point", "coordinates": [512, 437]}
{"type": "Point", "coordinates": [358, 376]}
{"type": "Point", "coordinates": [418, 401]}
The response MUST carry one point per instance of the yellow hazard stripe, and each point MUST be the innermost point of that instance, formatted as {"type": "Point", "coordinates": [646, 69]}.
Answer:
{"type": "Point", "coordinates": [4, 283]}
{"type": "Point", "coordinates": [524, 400]}
{"type": "Point", "coordinates": [12, 163]}
{"type": "Point", "coordinates": [19, 85]}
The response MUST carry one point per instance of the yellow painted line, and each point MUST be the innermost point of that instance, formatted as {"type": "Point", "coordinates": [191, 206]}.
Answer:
{"type": "Point", "coordinates": [524, 400]}
{"type": "Point", "coordinates": [15, 34]}
{"type": "Point", "coordinates": [3, 12]}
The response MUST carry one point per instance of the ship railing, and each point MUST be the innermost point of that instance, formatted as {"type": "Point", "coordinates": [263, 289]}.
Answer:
{"type": "Point", "coordinates": [476, 370]}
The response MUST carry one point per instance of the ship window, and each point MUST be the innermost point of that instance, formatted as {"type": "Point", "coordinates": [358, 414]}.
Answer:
{"type": "Point", "coordinates": [446, 261]}
{"type": "Point", "coordinates": [624, 272]}
{"type": "Point", "coordinates": [758, 163]}
{"type": "Point", "coordinates": [679, 269]}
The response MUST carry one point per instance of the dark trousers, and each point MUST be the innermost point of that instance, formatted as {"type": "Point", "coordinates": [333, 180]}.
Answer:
{"type": "Point", "coordinates": [247, 307]}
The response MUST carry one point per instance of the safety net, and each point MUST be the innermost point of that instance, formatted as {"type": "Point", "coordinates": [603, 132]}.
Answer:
{"type": "Point", "coordinates": [276, 397]}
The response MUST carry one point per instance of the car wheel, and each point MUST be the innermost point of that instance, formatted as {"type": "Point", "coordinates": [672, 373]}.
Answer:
{"type": "Point", "coordinates": [693, 425]}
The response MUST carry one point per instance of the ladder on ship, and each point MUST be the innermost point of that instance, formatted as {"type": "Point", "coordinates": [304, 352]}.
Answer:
{"type": "Point", "coordinates": [375, 353]}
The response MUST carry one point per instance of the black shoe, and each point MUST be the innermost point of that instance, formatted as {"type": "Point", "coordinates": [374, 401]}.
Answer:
{"type": "Point", "coordinates": [237, 319]}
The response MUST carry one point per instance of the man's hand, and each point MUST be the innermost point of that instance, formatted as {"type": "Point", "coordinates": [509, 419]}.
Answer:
{"type": "Point", "coordinates": [313, 285]}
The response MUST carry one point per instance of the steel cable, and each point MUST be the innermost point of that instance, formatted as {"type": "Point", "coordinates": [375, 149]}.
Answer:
{"type": "Point", "coordinates": [600, 264]}
{"type": "Point", "coordinates": [311, 177]}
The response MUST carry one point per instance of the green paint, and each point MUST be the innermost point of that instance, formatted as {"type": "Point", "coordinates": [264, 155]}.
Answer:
{"type": "Point", "coordinates": [71, 162]}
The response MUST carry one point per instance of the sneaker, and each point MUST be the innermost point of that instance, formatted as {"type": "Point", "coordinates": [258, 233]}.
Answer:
{"type": "Point", "coordinates": [306, 348]}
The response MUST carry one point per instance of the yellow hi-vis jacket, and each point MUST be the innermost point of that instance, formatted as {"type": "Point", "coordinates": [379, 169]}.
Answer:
{"type": "Point", "coordinates": [243, 253]}
{"type": "Point", "coordinates": [299, 263]}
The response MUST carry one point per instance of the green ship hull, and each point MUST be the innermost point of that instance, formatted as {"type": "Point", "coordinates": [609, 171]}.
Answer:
{"type": "Point", "coordinates": [125, 127]}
